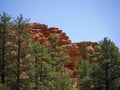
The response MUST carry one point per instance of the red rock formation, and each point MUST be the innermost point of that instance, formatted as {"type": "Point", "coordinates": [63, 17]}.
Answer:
{"type": "Point", "coordinates": [41, 32]}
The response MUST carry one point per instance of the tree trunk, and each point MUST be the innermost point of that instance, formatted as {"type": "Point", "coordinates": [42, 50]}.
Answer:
{"type": "Point", "coordinates": [18, 66]}
{"type": "Point", "coordinates": [3, 56]}
{"type": "Point", "coordinates": [107, 84]}
{"type": "Point", "coordinates": [36, 76]}
{"type": "Point", "coordinates": [107, 79]}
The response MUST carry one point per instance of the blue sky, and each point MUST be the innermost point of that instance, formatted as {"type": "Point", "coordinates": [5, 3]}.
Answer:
{"type": "Point", "coordinates": [82, 20]}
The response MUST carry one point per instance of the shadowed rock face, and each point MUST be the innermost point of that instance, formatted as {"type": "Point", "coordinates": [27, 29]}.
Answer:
{"type": "Point", "coordinates": [41, 32]}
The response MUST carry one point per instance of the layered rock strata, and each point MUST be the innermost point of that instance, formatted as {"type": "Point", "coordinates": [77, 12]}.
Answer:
{"type": "Point", "coordinates": [41, 32]}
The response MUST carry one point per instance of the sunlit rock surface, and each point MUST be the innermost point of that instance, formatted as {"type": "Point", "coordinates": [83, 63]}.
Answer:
{"type": "Point", "coordinates": [41, 32]}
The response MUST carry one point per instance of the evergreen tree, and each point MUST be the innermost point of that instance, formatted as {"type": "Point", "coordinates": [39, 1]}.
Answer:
{"type": "Point", "coordinates": [4, 23]}
{"type": "Point", "coordinates": [59, 58]}
{"type": "Point", "coordinates": [40, 71]}
{"type": "Point", "coordinates": [19, 48]}
{"type": "Point", "coordinates": [57, 53]}
{"type": "Point", "coordinates": [84, 51]}
{"type": "Point", "coordinates": [83, 69]}
{"type": "Point", "coordinates": [106, 70]}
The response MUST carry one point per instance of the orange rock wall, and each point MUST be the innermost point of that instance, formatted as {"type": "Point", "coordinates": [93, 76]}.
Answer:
{"type": "Point", "coordinates": [41, 32]}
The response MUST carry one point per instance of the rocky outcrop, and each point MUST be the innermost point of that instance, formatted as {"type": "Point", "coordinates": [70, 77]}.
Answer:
{"type": "Point", "coordinates": [41, 32]}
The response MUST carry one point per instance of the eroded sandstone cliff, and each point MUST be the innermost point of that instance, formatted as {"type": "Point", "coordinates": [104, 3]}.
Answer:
{"type": "Point", "coordinates": [41, 32]}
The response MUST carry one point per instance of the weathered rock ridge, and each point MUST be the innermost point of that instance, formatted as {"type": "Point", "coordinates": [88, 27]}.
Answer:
{"type": "Point", "coordinates": [41, 32]}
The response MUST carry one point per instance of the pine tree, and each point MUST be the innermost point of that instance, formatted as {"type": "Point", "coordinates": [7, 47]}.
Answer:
{"type": "Point", "coordinates": [19, 48]}
{"type": "Point", "coordinates": [58, 53]}
{"type": "Point", "coordinates": [84, 51]}
{"type": "Point", "coordinates": [59, 58]}
{"type": "Point", "coordinates": [106, 71]}
{"type": "Point", "coordinates": [40, 71]}
{"type": "Point", "coordinates": [4, 23]}
{"type": "Point", "coordinates": [83, 69]}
